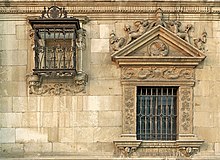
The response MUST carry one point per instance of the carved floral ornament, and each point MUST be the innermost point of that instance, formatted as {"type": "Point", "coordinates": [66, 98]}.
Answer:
{"type": "Point", "coordinates": [162, 73]}
{"type": "Point", "coordinates": [158, 47]}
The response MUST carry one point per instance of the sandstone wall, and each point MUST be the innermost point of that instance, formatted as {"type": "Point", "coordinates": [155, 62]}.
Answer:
{"type": "Point", "coordinates": [87, 123]}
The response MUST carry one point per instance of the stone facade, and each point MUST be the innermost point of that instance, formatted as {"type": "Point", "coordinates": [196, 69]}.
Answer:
{"type": "Point", "coordinates": [99, 121]}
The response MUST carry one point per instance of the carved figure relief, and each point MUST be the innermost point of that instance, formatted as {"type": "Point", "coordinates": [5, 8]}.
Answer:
{"type": "Point", "coordinates": [143, 26]}
{"type": "Point", "coordinates": [149, 73]}
{"type": "Point", "coordinates": [158, 48]}
{"type": "Point", "coordinates": [115, 42]}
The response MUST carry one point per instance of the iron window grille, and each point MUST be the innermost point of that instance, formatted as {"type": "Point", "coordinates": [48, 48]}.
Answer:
{"type": "Point", "coordinates": [55, 43]}
{"type": "Point", "coordinates": [156, 113]}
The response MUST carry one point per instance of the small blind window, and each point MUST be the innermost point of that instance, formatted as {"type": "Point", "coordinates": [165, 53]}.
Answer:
{"type": "Point", "coordinates": [156, 113]}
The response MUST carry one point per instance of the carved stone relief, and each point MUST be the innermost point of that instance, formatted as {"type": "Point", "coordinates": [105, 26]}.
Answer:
{"type": "Point", "coordinates": [160, 73]}
{"type": "Point", "coordinates": [74, 86]}
{"type": "Point", "coordinates": [129, 110]}
{"type": "Point", "coordinates": [158, 47]}
{"type": "Point", "coordinates": [185, 109]}
{"type": "Point", "coordinates": [188, 151]}
{"type": "Point", "coordinates": [126, 149]}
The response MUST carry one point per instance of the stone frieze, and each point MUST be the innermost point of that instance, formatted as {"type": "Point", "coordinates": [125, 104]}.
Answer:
{"type": "Point", "coordinates": [157, 73]}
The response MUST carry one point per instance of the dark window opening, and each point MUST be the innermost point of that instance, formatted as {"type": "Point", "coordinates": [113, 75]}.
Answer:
{"type": "Point", "coordinates": [156, 113]}
{"type": "Point", "coordinates": [55, 50]}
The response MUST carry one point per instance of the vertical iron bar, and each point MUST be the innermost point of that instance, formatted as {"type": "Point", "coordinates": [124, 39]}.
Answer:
{"type": "Point", "coordinates": [74, 49]}
{"type": "Point", "coordinates": [150, 117]}
{"type": "Point", "coordinates": [36, 55]}
{"type": "Point", "coordinates": [65, 47]}
{"type": "Point", "coordinates": [167, 98]}
{"type": "Point", "coordinates": [141, 113]}
{"type": "Point", "coordinates": [171, 115]}
{"type": "Point", "coordinates": [146, 110]}
{"type": "Point", "coordinates": [161, 119]}
{"type": "Point", "coordinates": [155, 113]}
{"type": "Point", "coordinates": [45, 56]}
{"type": "Point", "coordinates": [55, 48]}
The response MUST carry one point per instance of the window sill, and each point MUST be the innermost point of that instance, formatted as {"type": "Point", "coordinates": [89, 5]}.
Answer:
{"type": "Point", "coordinates": [185, 146]}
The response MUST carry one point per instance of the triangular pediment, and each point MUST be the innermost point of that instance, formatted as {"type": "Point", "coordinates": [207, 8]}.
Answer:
{"type": "Point", "coordinates": [159, 46]}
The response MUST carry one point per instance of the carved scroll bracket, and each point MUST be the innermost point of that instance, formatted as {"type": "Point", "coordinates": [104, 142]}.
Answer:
{"type": "Point", "coordinates": [126, 148]}
{"type": "Point", "coordinates": [189, 144]}
{"type": "Point", "coordinates": [71, 87]}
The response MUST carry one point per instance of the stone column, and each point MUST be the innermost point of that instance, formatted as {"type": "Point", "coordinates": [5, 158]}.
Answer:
{"type": "Point", "coordinates": [81, 45]}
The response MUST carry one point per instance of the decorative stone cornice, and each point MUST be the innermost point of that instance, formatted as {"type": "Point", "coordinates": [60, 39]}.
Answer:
{"type": "Point", "coordinates": [138, 9]}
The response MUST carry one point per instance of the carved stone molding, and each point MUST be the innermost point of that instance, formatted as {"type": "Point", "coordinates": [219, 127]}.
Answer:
{"type": "Point", "coordinates": [129, 110]}
{"type": "Point", "coordinates": [116, 7]}
{"type": "Point", "coordinates": [72, 87]}
{"type": "Point", "coordinates": [156, 73]}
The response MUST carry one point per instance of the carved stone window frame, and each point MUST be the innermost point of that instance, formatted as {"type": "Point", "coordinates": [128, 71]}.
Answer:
{"type": "Point", "coordinates": [170, 69]}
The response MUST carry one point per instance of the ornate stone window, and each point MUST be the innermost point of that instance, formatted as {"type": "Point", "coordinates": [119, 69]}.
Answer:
{"type": "Point", "coordinates": [58, 45]}
{"type": "Point", "coordinates": [158, 59]}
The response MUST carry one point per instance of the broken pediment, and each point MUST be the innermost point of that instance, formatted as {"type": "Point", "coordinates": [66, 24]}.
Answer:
{"type": "Point", "coordinates": [156, 47]}
{"type": "Point", "coordinates": [158, 43]}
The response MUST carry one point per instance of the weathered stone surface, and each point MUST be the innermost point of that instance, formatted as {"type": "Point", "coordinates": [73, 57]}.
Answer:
{"type": "Point", "coordinates": [6, 104]}
{"type": "Point", "coordinates": [104, 72]}
{"type": "Point", "coordinates": [33, 104]}
{"type": "Point", "coordinates": [11, 120]}
{"type": "Point", "coordinates": [64, 147]}
{"type": "Point", "coordinates": [101, 103]}
{"type": "Point", "coordinates": [32, 135]}
{"type": "Point", "coordinates": [50, 119]}
{"type": "Point", "coordinates": [110, 118]}
{"type": "Point", "coordinates": [13, 56]}
{"type": "Point", "coordinates": [105, 30]}
{"type": "Point", "coordinates": [84, 134]}
{"type": "Point", "coordinates": [105, 87]}
{"type": "Point", "coordinates": [9, 148]}
{"type": "Point", "coordinates": [37, 147]}
{"type": "Point", "coordinates": [7, 135]}
{"type": "Point", "coordinates": [13, 89]}
{"type": "Point", "coordinates": [31, 119]}
{"type": "Point", "coordinates": [19, 104]}
{"type": "Point", "coordinates": [66, 135]}
{"type": "Point", "coordinates": [107, 134]}
{"type": "Point", "coordinates": [21, 32]}
{"type": "Point", "coordinates": [99, 45]}
{"type": "Point", "coordinates": [49, 104]}
{"type": "Point", "coordinates": [86, 119]}
{"type": "Point", "coordinates": [204, 119]}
